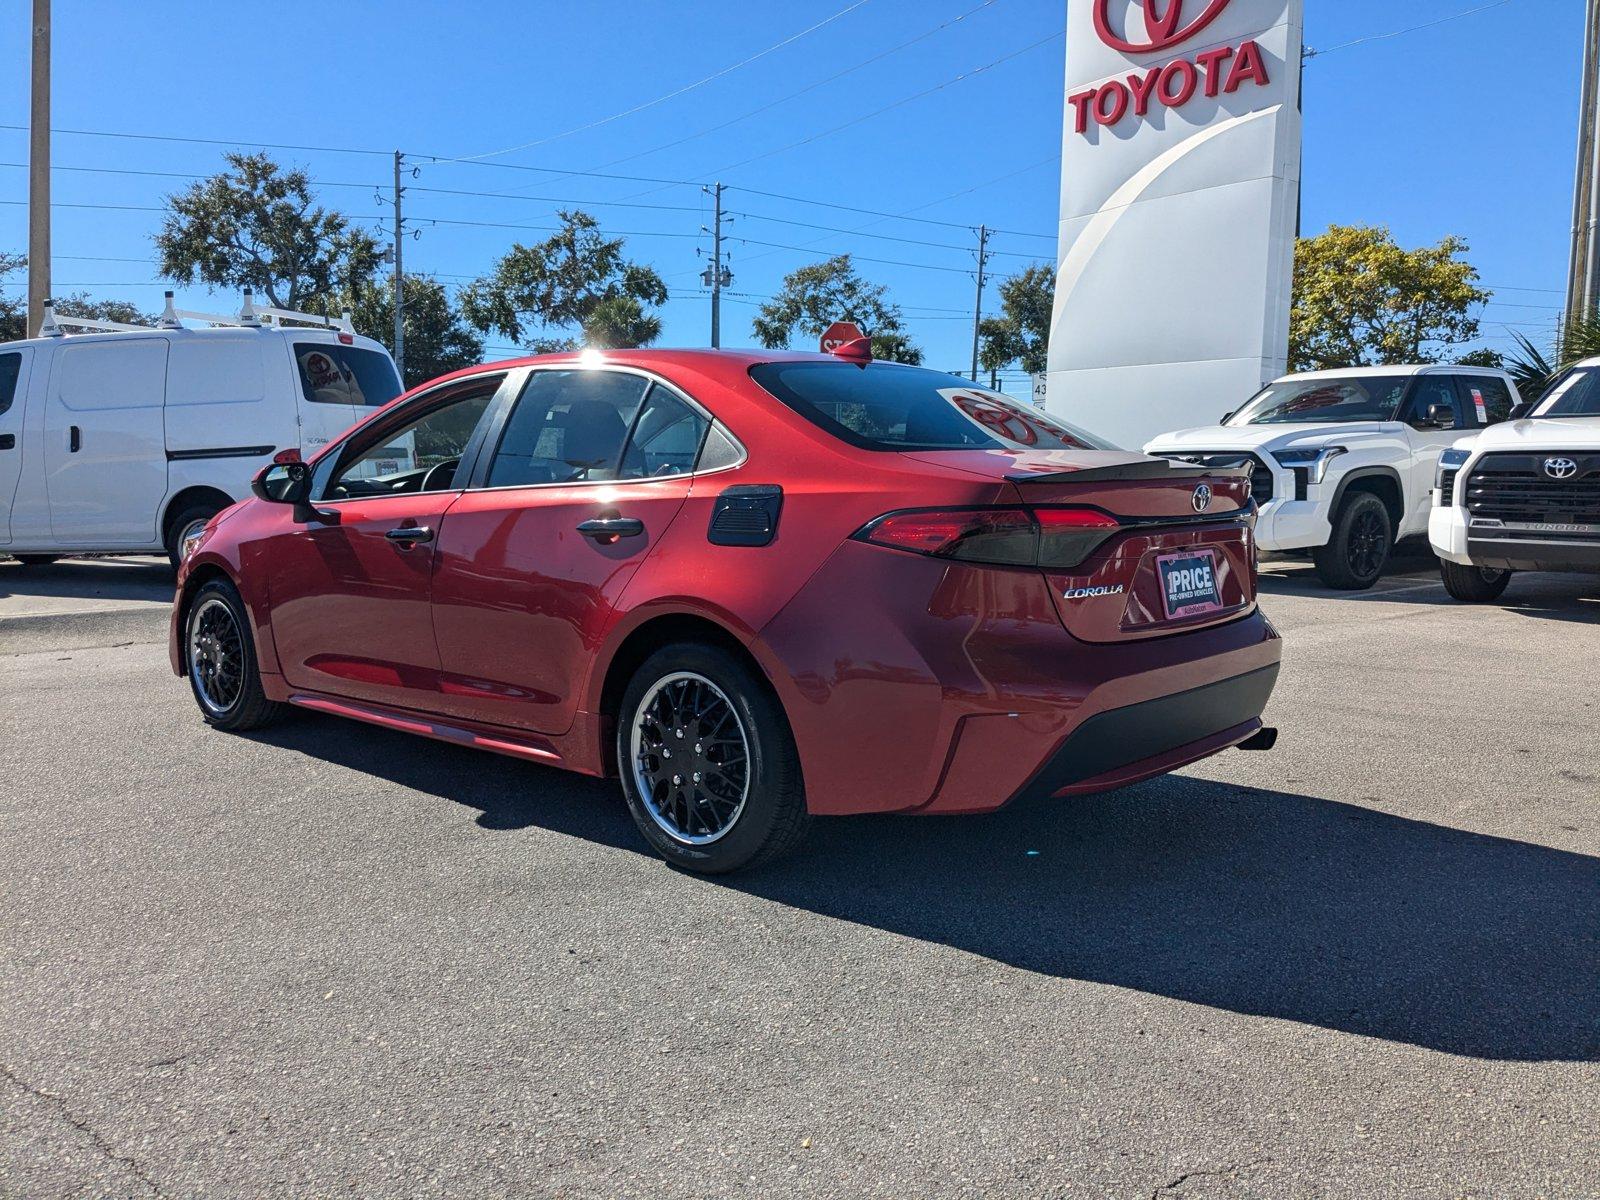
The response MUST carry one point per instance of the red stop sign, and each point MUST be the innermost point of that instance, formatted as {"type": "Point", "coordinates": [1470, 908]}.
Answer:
{"type": "Point", "coordinates": [838, 334]}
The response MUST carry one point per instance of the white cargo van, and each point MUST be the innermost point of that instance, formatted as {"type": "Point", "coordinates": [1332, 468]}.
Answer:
{"type": "Point", "coordinates": [120, 441]}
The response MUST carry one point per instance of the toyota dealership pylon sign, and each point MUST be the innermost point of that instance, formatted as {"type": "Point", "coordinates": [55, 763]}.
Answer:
{"type": "Point", "coordinates": [1179, 206]}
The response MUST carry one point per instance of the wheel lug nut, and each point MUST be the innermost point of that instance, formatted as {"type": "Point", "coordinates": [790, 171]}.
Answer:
{"type": "Point", "coordinates": [697, 776]}
{"type": "Point", "coordinates": [677, 780]}
{"type": "Point", "coordinates": [679, 733]}
{"type": "Point", "coordinates": [697, 747]}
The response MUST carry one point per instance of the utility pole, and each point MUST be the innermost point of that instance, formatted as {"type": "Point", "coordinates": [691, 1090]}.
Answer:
{"type": "Point", "coordinates": [716, 276]}
{"type": "Point", "coordinates": [39, 171]}
{"type": "Point", "coordinates": [1583, 281]}
{"type": "Point", "coordinates": [977, 310]}
{"type": "Point", "coordinates": [399, 272]}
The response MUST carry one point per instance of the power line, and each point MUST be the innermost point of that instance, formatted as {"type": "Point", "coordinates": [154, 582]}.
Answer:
{"type": "Point", "coordinates": [1382, 37]}
{"type": "Point", "coordinates": [771, 104]}
{"type": "Point", "coordinates": [628, 112]}
{"type": "Point", "coordinates": [938, 87]}
{"type": "Point", "coordinates": [199, 141]}
{"type": "Point", "coordinates": [888, 262]}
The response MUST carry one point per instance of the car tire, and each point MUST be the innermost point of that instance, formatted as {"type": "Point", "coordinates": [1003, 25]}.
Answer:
{"type": "Point", "coordinates": [219, 657]}
{"type": "Point", "coordinates": [1363, 538]}
{"type": "Point", "coordinates": [37, 560]}
{"type": "Point", "coordinates": [735, 797]}
{"type": "Point", "coordinates": [1473, 585]}
{"type": "Point", "coordinates": [180, 523]}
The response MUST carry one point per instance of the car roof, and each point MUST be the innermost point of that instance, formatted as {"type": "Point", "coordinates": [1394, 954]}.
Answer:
{"type": "Point", "coordinates": [1402, 369]}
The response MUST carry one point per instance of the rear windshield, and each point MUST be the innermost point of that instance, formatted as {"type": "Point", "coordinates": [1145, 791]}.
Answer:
{"type": "Point", "coordinates": [335, 374]}
{"type": "Point", "coordinates": [1325, 401]}
{"type": "Point", "coordinates": [885, 406]}
{"type": "Point", "coordinates": [1575, 395]}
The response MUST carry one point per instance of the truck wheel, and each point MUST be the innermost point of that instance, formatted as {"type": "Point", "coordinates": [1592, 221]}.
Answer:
{"type": "Point", "coordinates": [1363, 537]}
{"type": "Point", "coordinates": [1473, 585]}
{"type": "Point", "coordinates": [192, 516]}
{"type": "Point", "coordinates": [36, 560]}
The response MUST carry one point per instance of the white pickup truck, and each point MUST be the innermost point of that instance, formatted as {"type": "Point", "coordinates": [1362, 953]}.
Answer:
{"type": "Point", "coordinates": [1344, 461]}
{"type": "Point", "coordinates": [1523, 496]}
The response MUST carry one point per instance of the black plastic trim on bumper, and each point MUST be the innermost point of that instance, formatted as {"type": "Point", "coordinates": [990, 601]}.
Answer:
{"type": "Point", "coordinates": [1529, 554]}
{"type": "Point", "coordinates": [1124, 737]}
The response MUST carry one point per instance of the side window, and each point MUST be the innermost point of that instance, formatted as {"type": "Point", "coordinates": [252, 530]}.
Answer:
{"type": "Point", "coordinates": [10, 369]}
{"type": "Point", "coordinates": [1486, 399]}
{"type": "Point", "coordinates": [1431, 390]}
{"type": "Point", "coordinates": [567, 427]}
{"type": "Point", "coordinates": [666, 438]}
{"type": "Point", "coordinates": [421, 456]}
{"type": "Point", "coordinates": [336, 374]}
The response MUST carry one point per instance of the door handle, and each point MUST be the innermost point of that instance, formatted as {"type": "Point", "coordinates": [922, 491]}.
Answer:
{"type": "Point", "coordinates": [74, 439]}
{"type": "Point", "coordinates": [8, 441]}
{"type": "Point", "coordinates": [409, 535]}
{"type": "Point", "coordinates": [607, 530]}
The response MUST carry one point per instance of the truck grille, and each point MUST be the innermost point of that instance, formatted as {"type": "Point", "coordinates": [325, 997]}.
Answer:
{"type": "Point", "coordinates": [1260, 473]}
{"type": "Point", "coordinates": [1517, 487]}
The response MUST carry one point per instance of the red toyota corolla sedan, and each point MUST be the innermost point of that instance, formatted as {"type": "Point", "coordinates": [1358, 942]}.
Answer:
{"type": "Point", "coordinates": [757, 587]}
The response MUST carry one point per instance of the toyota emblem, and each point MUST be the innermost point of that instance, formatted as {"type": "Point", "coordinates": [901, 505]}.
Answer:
{"type": "Point", "coordinates": [1163, 23]}
{"type": "Point", "coordinates": [1202, 498]}
{"type": "Point", "coordinates": [1560, 468]}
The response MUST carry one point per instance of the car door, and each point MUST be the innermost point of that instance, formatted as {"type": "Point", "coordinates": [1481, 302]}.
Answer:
{"type": "Point", "coordinates": [349, 587]}
{"type": "Point", "coordinates": [105, 445]}
{"type": "Point", "coordinates": [1428, 443]}
{"type": "Point", "coordinates": [590, 468]}
{"type": "Point", "coordinates": [13, 393]}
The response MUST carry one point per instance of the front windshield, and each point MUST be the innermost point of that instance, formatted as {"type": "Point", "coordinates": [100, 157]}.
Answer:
{"type": "Point", "coordinates": [1324, 401]}
{"type": "Point", "coordinates": [1575, 394]}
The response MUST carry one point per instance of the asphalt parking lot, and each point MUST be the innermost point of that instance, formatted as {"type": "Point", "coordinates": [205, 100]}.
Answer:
{"type": "Point", "coordinates": [333, 959]}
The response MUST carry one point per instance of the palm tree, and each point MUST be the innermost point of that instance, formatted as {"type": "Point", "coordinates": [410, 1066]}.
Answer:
{"type": "Point", "coordinates": [1535, 370]}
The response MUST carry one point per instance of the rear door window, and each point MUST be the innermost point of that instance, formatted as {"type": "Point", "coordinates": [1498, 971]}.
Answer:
{"type": "Point", "coordinates": [1486, 399]}
{"type": "Point", "coordinates": [666, 437]}
{"type": "Point", "coordinates": [10, 371]}
{"type": "Point", "coordinates": [885, 406]}
{"type": "Point", "coordinates": [567, 427]}
{"type": "Point", "coordinates": [335, 374]}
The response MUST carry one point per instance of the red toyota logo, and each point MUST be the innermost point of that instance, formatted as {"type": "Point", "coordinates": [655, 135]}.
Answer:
{"type": "Point", "coordinates": [1163, 28]}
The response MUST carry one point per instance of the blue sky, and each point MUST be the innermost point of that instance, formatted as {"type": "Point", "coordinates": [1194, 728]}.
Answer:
{"type": "Point", "coordinates": [1468, 127]}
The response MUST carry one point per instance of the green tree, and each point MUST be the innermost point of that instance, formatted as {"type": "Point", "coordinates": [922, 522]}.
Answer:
{"type": "Point", "coordinates": [13, 304]}
{"type": "Point", "coordinates": [438, 338]}
{"type": "Point", "coordinates": [257, 226]}
{"type": "Point", "coordinates": [1360, 299]}
{"type": "Point", "coordinates": [814, 297]}
{"type": "Point", "coordinates": [1021, 333]}
{"type": "Point", "coordinates": [576, 285]}
{"type": "Point", "coordinates": [1535, 369]}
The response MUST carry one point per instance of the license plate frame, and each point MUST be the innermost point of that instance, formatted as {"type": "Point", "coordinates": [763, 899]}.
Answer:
{"type": "Point", "coordinates": [1196, 597]}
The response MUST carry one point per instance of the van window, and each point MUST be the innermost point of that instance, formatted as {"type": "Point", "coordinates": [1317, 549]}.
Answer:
{"type": "Point", "coordinates": [10, 369]}
{"type": "Point", "coordinates": [112, 375]}
{"type": "Point", "coordinates": [216, 370]}
{"type": "Point", "coordinates": [336, 374]}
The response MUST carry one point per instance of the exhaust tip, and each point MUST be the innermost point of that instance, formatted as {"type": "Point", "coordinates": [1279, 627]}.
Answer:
{"type": "Point", "coordinates": [1264, 738]}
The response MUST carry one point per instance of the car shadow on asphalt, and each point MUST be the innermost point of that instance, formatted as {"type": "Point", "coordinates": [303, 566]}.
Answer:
{"type": "Point", "coordinates": [1249, 900]}
{"type": "Point", "coordinates": [1546, 595]}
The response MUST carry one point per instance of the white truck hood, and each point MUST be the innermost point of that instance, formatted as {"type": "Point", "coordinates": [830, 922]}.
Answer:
{"type": "Point", "coordinates": [1264, 438]}
{"type": "Point", "coordinates": [1553, 433]}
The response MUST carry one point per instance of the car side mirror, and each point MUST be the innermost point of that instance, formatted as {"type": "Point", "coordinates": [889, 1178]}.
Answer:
{"type": "Point", "coordinates": [1440, 416]}
{"type": "Point", "coordinates": [283, 483]}
{"type": "Point", "coordinates": [1226, 417]}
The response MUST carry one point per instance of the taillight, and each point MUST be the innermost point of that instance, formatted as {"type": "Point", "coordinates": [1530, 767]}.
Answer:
{"type": "Point", "coordinates": [1007, 537]}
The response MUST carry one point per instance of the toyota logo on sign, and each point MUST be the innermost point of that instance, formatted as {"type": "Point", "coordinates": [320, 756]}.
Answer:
{"type": "Point", "coordinates": [1164, 25]}
{"type": "Point", "coordinates": [1560, 468]}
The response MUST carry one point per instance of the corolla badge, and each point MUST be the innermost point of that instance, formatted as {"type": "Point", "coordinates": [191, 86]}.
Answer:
{"type": "Point", "coordinates": [1163, 23]}
{"type": "Point", "coordinates": [1202, 498]}
{"type": "Point", "coordinates": [1089, 593]}
{"type": "Point", "coordinates": [1560, 468]}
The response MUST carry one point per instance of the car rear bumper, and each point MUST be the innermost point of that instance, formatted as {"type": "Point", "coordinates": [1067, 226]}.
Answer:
{"type": "Point", "coordinates": [917, 686]}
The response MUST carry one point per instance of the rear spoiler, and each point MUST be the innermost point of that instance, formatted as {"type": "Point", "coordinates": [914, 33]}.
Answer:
{"type": "Point", "coordinates": [1139, 467]}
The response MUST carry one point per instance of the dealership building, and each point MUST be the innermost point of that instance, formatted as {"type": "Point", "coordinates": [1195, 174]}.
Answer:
{"type": "Point", "coordinates": [1180, 196]}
